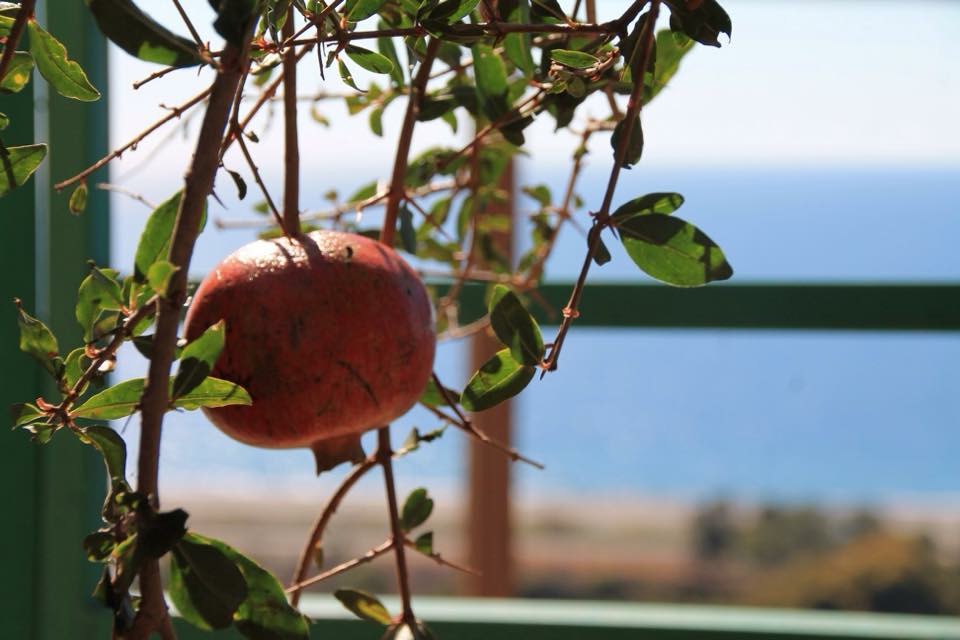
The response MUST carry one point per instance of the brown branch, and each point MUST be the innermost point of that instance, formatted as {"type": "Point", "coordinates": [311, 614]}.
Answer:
{"type": "Point", "coordinates": [291, 149]}
{"type": "Point", "coordinates": [175, 113]}
{"type": "Point", "coordinates": [154, 403]}
{"type": "Point", "coordinates": [295, 589]}
{"type": "Point", "coordinates": [403, 144]}
{"type": "Point", "coordinates": [439, 559]}
{"type": "Point", "coordinates": [316, 533]}
{"type": "Point", "coordinates": [462, 422]}
{"type": "Point", "coordinates": [602, 217]}
{"type": "Point", "coordinates": [155, 75]}
{"type": "Point", "coordinates": [16, 32]}
{"type": "Point", "coordinates": [385, 458]}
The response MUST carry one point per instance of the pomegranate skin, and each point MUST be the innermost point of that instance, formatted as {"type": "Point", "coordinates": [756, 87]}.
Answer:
{"type": "Point", "coordinates": [331, 334]}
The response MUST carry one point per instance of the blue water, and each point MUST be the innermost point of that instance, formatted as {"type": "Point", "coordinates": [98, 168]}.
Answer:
{"type": "Point", "coordinates": [791, 415]}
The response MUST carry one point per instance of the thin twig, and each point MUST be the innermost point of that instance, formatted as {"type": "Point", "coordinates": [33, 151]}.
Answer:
{"type": "Point", "coordinates": [106, 186]}
{"type": "Point", "coordinates": [467, 425]}
{"type": "Point", "coordinates": [155, 75]}
{"type": "Point", "coordinates": [385, 458]}
{"type": "Point", "coordinates": [291, 145]}
{"type": "Point", "coordinates": [403, 144]}
{"type": "Point", "coordinates": [16, 32]}
{"type": "Point", "coordinates": [316, 533]}
{"type": "Point", "coordinates": [602, 217]}
{"type": "Point", "coordinates": [190, 27]}
{"type": "Point", "coordinates": [175, 112]}
{"type": "Point", "coordinates": [295, 589]}
{"type": "Point", "coordinates": [439, 559]}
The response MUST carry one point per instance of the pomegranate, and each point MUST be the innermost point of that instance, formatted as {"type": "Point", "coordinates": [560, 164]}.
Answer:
{"type": "Point", "coordinates": [330, 333]}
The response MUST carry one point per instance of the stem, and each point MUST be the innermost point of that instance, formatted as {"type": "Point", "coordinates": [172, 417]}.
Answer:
{"type": "Point", "coordinates": [16, 31]}
{"type": "Point", "coordinates": [291, 152]}
{"type": "Point", "coordinates": [175, 112]}
{"type": "Point", "coordinates": [403, 145]}
{"type": "Point", "coordinates": [198, 183]}
{"type": "Point", "coordinates": [385, 458]}
{"type": "Point", "coordinates": [602, 217]}
{"type": "Point", "coordinates": [295, 589]}
{"type": "Point", "coordinates": [320, 526]}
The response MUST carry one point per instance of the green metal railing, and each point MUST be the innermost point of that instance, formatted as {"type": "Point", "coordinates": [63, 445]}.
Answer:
{"type": "Point", "coordinates": [473, 619]}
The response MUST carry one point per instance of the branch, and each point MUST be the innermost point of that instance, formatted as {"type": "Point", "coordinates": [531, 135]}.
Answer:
{"type": "Point", "coordinates": [291, 151]}
{"type": "Point", "coordinates": [602, 218]}
{"type": "Point", "coordinates": [464, 423]}
{"type": "Point", "coordinates": [403, 144]}
{"type": "Point", "coordinates": [385, 458]}
{"type": "Point", "coordinates": [16, 31]}
{"type": "Point", "coordinates": [316, 534]}
{"type": "Point", "coordinates": [295, 589]}
{"type": "Point", "coordinates": [175, 112]}
{"type": "Point", "coordinates": [198, 183]}
{"type": "Point", "coordinates": [443, 562]}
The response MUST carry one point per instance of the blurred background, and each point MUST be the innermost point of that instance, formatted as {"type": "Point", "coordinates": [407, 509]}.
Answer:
{"type": "Point", "coordinates": [796, 468]}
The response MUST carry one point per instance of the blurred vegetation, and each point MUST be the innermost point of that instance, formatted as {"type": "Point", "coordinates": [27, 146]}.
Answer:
{"type": "Point", "coordinates": [804, 556]}
{"type": "Point", "coordinates": [796, 556]}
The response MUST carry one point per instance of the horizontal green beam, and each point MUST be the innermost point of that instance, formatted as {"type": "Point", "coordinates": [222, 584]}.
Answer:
{"type": "Point", "coordinates": [861, 307]}
{"type": "Point", "coordinates": [482, 619]}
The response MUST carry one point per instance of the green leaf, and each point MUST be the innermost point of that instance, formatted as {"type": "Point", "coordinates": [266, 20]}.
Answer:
{"type": "Point", "coordinates": [198, 358]}
{"type": "Point", "coordinates": [213, 392]}
{"type": "Point", "coordinates": [515, 327]}
{"type": "Point", "coordinates": [501, 377]}
{"type": "Point", "coordinates": [159, 274]}
{"type": "Point", "coordinates": [234, 18]}
{"type": "Point", "coordinates": [416, 509]}
{"type": "Point", "coordinates": [704, 22]}
{"type": "Point", "coordinates": [74, 367]}
{"type": "Point", "coordinates": [205, 584]}
{"type": "Point", "coordinates": [491, 77]}
{"type": "Point", "coordinates": [113, 449]}
{"type": "Point", "coordinates": [99, 292]}
{"type": "Point", "coordinates": [424, 543]}
{"type": "Point", "coordinates": [450, 11]}
{"type": "Point", "coordinates": [123, 399]}
{"type": "Point", "coordinates": [634, 147]}
{"type": "Point", "coordinates": [432, 397]}
{"type": "Point", "coordinates": [119, 401]}
{"type": "Point", "coordinates": [37, 341]}
{"type": "Point", "coordinates": [17, 164]}
{"type": "Point", "coordinates": [78, 199]}
{"type": "Point", "coordinates": [140, 35]}
{"type": "Point", "coordinates": [63, 74]}
{"type": "Point", "coordinates": [363, 193]}
{"type": "Point", "coordinates": [574, 59]}
{"type": "Point", "coordinates": [671, 47]}
{"type": "Point", "coordinates": [665, 203]}
{"type": "Point", "coordinates": [408, 234]}
{"type": "Point", "coordinates": [369, 60]}
{"type": "Point", "coordinates": [601, 254]}
{"type": "Point", "coordinates": [265, 614]}
{"type": "Point", "coordinates": [358, 10]}
{"type": "Point", "coordinates": [24, 413]}
{"type": "Point", "coordinates": [346, 76]}
{"type": "Point", "coordinates": [4, 123]}
{"type": "Point", "coordinates": [158, 533]}
{"type": "Point", "coordinates": [18, 73]}
{"type": "Point", "coordinates": [155, 241]}
{"type": "Point", "coordinates": [99, 545]}
{"type": "Point", "coordinates": [674, 251]}
{"type": "Point", "coordinates": [363, 605]}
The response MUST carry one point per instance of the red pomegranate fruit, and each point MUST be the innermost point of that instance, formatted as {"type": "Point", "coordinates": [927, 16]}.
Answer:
{"type": "Point", "coordinates": [330, 333]}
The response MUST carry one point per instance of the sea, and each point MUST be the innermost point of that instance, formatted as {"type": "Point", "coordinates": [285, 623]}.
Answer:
{"type": "Point", "coordinates": [830, 416]}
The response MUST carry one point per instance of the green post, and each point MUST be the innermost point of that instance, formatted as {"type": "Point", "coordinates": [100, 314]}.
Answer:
{"type": "Point", "coordinates": [51, 493]}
